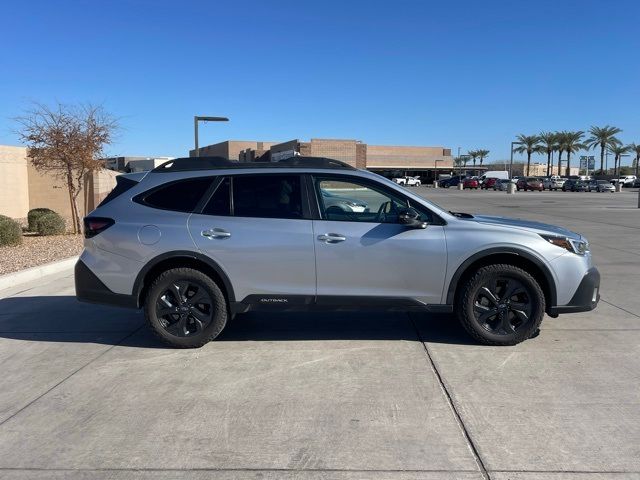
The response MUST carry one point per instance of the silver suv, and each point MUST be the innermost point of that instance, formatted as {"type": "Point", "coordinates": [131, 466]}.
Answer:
{"type": "Point", "coordinates": [199, 240]}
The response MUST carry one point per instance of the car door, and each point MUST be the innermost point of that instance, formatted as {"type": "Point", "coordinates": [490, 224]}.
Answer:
{"type": "Point", "coordinates": [258, 229]}
{"type": "Point", "coordinates": [364, 254]}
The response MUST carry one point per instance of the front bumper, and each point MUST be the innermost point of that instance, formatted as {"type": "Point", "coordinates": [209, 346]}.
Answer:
{"type": "Point", "coordinates": [90, 289]}
{"type": "Point", "coordinates": [586, 297]}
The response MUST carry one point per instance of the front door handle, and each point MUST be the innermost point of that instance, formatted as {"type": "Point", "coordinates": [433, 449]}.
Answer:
{"type": "Point", "coordinates": [215, 233]}
{"type": "Point", "coordinates": [332, 238]}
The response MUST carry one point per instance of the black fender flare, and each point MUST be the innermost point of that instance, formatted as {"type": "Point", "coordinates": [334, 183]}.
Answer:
{"type": "Point", "coordinates": [453, 284]}
{"type": "Point", "coordinates": [138, 285]}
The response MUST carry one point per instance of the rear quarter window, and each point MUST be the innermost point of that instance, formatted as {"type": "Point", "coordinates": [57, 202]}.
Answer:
{"type": "Point", "coordinates": [179, 196]}
{"type": "Point", "coordinates": [122, 185]}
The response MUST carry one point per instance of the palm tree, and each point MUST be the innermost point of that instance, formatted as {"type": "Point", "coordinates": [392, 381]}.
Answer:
{"type": "Point", "coordinates": [559, 149]}
{"type": "Point", "coordinates": [617, 151]}
{"type": "Point", "coordinates": [571, 143]}
{"type": "Point", "coordinates": [529, 144]}
{"type": "Point", "coordinates": [482, 154]}
{"type": "Point", "coordinates": [604, 137]}
{"type": "Point", "coordinates": [635, 148]}
{"type": "Point", "coordinates": [548, 144]}
{"type": "Point", "coordinates": [474, 155]}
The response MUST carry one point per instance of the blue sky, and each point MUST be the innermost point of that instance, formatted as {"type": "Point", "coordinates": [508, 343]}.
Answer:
{"type": "Point", "coordinates": [469, 74]}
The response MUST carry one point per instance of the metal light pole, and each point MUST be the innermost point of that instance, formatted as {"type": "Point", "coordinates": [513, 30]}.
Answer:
{"type": "Point", "coordinates": [511, 161]}
{"type": "Point", "coordinates": [197, 119]}
{"type": "Point", "coordinates": [620, 163]}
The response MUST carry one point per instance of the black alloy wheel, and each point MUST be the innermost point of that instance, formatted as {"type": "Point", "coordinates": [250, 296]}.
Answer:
{"type": "Point", "coordinates": [500, 305]}
{"type": "Point", "coordinates": [184, 308]}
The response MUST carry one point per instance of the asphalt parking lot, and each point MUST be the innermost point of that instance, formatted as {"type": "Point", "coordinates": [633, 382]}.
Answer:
{"type": "Point", "coordinates": [86, 392]}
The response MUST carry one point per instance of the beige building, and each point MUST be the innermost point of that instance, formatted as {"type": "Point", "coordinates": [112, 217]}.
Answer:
{"type": "Point", "coordinates": [384, 157]}
{"type": "Point", "coordinates": [387, 160]}
{"type": "Point", "coordinates": [14, 182]}
{"type": "Point", "coordinates": [231, 149]}
{"type": "Point", "coordinates": [540, 169]}
{"type": "Point", "coordinates": [352, 152]}
{"type": "Point", "coordinates": [23, 188]}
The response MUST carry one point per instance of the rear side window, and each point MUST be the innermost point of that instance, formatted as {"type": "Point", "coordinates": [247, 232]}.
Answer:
{"type": "Point", "coordinates": [267, 196]}
{"type": "Point", "coordinates": [180, 196]}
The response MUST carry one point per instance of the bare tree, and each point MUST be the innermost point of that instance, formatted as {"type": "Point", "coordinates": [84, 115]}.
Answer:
{"type": "Point", "coordinates": [67, 141]}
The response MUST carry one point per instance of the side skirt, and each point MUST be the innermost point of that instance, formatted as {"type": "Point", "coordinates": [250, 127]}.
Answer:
{"type": "Point", "coordinates": [292, 303]}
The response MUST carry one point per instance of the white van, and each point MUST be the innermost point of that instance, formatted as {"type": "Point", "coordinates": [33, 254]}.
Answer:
{"type": "Point", "coordinates": [499, 174]}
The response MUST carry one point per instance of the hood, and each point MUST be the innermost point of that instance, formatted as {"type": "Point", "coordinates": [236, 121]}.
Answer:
{"type": "Point", "coordinates": [526, 224]}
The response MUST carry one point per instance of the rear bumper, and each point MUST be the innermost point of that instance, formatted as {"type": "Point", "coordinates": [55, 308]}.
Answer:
{"type": "Point", "coordinates": [90, 289]}
{"type": "Point", "coordinates": [586, 297]}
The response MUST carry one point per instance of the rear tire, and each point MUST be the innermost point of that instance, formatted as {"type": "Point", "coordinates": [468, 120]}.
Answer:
{"type": "Point", "coordinates": [501, 305]}
{"type": "Point", "coordinates": [185, 308]}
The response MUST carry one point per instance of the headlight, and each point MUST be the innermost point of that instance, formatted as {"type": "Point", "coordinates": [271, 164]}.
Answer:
{"type": "Point", "coordinates": [578, 247]}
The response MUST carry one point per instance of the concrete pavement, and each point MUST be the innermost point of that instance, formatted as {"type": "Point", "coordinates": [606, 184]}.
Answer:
{"type": "Point", "coordinates": [86, 392]}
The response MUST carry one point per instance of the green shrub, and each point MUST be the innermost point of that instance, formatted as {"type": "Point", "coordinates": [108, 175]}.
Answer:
{"type": "Point", "coordinates": [33, 216]}
{"type": "Point", "coordinates": [50, 223]}
{"type": "Point", "coordinates": [10, 231]}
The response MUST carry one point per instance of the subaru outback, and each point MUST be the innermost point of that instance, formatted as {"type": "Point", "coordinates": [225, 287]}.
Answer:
{"type": "Point", "coordinates": [196, 241]}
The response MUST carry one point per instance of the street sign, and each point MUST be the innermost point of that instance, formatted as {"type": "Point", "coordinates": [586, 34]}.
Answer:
{"type": "Point", "coordinates": [587, 162]}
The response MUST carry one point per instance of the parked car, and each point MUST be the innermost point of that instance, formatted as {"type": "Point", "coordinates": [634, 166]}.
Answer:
{"type": "Point", "coordinates": [500, 174]}
{"type": "Point", "coordinates": [489, 183]}
{"type": "Point", "coordinates": [636, 183]}
{"type": "Point", "coordinates": [408, 181]}
{"type": "Point", "coordinates": [625, 180]}
{"type": "Point", "coordinates": [471, 183]}
{"type": "Point", "coordinates": [553, 182]}
{"type": "Point", "coordinates": [580, 186]}
{"type": "Point", "coordinates": [332, 199]}
{"type": "Point", "coordinates": [451, 181]}
{"type": "Point", "coordinates": [413, 181]}
{"type": "Point", "coordinates": [568, 184]}
{"type": "Point", "coordinates": [196, 241]}
{"type": "Point", "coordinates": [400, 180]}
{"type": "Point", "coordinates": [529, 183]}
{"type": "Point", "coordinates": [503, 184]}
{"type": "Point", "coordinates": [602, 186]}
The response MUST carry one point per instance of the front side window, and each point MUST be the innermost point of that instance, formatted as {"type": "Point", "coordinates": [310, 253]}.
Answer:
{"type": "Point", "coordinates": [220, 202]}
{"type": "Point", "coordinates": [351, 201]}
{"type": "Point", "coordinates": [267, 196]}
{"type": "Point", "coordinates": [180, 196]}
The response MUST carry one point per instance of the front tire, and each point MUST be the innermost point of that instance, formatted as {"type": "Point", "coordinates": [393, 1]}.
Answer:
{"type": "Point", "coordinates": [501, 305]}
{"type": "Point", "coordinates": [185, 308]}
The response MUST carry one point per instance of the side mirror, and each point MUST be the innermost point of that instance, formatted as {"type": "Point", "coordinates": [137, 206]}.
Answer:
{"type": "Point", "coordinates": [411, 218]}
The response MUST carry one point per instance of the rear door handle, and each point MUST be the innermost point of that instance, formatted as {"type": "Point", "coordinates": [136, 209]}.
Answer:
{"type": "Point", "coordinates": [215, 233]}
{"type": "Point", "coordinates": [332, 238]}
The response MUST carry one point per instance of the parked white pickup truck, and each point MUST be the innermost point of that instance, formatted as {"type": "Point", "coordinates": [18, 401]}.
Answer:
{"type": "Point", "coordinates": [626, 180]}
{"type": "Point", "coordinates": [554, 182]}
{"type": "Point", "coordinates": [408, 181]}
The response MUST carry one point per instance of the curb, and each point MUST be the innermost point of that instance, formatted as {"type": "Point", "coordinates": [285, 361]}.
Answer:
{"type": "Point", "coordinates": [28, 274]}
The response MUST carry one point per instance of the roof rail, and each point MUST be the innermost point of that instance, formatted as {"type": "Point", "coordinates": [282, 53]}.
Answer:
{"type": "Point", "coordinates": [219, 163]}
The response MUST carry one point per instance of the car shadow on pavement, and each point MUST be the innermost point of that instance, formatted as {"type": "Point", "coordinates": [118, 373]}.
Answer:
{"type": "Point", "coordinates": [64, 319]}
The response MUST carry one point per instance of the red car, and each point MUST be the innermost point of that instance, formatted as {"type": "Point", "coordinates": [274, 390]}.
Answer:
{"type": "Point", "coordinates": [490, 183]}
{"type": "Point", "coordinates": [529, 183]}
{"type": "Point", "coordinates": [470, 183]}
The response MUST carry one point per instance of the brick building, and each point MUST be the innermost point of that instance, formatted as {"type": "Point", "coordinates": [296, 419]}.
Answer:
{"type": "Point", "coordinates": [390, 161]}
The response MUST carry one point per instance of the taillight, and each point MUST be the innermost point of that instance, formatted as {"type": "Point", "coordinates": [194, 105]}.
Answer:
{"type": "Point", "coordinates": [95, 225]}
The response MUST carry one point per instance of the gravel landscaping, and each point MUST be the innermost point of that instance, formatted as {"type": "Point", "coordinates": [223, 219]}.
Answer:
{"type": "Point", "coordinates": [36, 250]}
